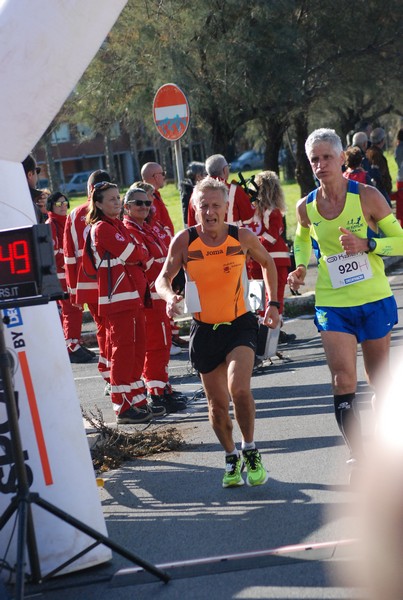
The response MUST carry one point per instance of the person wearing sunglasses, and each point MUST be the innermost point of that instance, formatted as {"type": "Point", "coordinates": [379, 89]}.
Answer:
{"type": "Point", "coordinates": [71, 316]}
{"type": "Point", "coordinates": [154, 174]}
{"type": "Point", "coordinates": [112, 256]}
{"type": "Point", "coordinates": [137, 205]}
{"type": "Point", "coordinates": [32, 171]}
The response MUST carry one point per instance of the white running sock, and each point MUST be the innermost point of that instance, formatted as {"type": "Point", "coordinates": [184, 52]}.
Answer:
{"type": "Point", "coordinates": [248, 445]}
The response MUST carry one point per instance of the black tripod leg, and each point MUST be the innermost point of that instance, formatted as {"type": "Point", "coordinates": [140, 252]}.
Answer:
{"type": "Point", "coordinates": [8, 513]}
{"type": "Point", "coordinates": [20, 559]}
{"type": "Point", "coordinates": [96, 535]}
{"type": "Point", "coordinates": [32, 547]}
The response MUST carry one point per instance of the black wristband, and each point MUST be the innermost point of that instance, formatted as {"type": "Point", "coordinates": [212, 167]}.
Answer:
{"type": "Point", "coordinates": [274, 303]}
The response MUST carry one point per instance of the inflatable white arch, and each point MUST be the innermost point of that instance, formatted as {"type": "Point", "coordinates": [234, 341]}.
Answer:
{"type": "Point", "coordinates": [45, 47]}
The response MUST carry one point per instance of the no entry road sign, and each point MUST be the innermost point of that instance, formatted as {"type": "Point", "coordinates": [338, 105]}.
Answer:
{"type": "Point", "coordinates": [171, 112]}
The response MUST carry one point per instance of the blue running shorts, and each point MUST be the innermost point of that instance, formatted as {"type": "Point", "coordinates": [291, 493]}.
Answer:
{"type": "Point", "coordinates": [370, 321]}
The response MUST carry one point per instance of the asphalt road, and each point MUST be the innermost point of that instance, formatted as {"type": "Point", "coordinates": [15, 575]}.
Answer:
{"type": "Point", "coordinates": [171, 507]}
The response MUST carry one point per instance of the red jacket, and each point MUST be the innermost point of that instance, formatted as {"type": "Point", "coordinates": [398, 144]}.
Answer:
{"type": "Point", "coordinates": [240, 210]}
{"type": "Point", "coordinates": [120, 264]}
{"type": "Point", "coordinates": [269, 231]}
{"type": "Point", "coordinates": [159, 213]}
{"type": "Point", "coordinates": [359, 175]}
{"type": "Point", "coordinates": [82, 288]}
{"type": "Point", "coordinates": [156, 248]}
{"type": "Point", "coordinates": [57, 224]}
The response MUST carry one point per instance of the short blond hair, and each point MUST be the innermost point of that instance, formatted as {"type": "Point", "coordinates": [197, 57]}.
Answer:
{"type": "Point", "coordinates": [208, 183]}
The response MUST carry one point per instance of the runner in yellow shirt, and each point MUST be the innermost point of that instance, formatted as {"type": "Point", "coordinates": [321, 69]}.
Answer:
{"type": "Point", "coordinates": [343, 221]}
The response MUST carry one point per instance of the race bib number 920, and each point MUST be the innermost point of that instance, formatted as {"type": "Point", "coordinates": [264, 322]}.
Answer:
{"type": "Point", "coordinates": [345, 270]}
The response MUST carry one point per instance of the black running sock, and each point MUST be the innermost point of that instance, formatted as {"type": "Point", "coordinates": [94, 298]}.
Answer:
{"type": "Point", "coordinates": [349, 422]}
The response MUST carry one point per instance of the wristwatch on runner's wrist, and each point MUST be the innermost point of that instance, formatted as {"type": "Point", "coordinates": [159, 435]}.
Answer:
{"type": "Point", "coordinates": [371, 245]}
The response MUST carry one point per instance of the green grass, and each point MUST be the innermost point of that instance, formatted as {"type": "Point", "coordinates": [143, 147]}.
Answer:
{"type": "Point", "coordinates": [171, 197]}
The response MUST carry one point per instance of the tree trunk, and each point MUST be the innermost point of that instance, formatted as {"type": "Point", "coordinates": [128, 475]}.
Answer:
{"type": "Point", "coordinates": [110, 163]}
{"type": "Point", "coordinates": [303, 169]}
{"type": "Point", "coordinates": [221, 137]}
{"type": "Point", "coordinates": [135, 154]}
{"type": "Point", "coordinates": [54, 180]}
{"type": "Point", "coordinates": [273, 131]}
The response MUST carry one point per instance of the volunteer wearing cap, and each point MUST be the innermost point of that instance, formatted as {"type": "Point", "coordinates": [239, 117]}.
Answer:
{"type": "Point", "coordinates": [343, 220]}
{"type": "Point", "coordinates": [32, 171]}
{"type": "Point", "coordinates": [137, 205]}
{"type": "Point", "coordinates": [379, 170]}
{"type": "Point", "coordinates": [71, 316]}
{"type": "Point", "coordinates": [118, 265]}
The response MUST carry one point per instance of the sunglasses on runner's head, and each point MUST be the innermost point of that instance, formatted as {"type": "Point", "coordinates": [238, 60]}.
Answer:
{"type": "Point", "coordinates": [140, 202]}
{"type": "Point", "coordinates": [102, 184]}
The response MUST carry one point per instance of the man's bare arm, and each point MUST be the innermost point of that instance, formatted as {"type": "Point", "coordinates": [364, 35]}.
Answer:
{"type": "Point", "coordinates": [256, 250]}
{"type": "Point", "coordinates": [177, 254]}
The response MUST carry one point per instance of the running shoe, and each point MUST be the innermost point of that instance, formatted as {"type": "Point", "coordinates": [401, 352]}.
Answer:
{"type": "Point", "coordinates": [156, 410]}
{"type": "Point", "coordinates": [133, 416]}
{"type": "Point", "coordinates": [170, 403]}
{"type": "Point", "coordinates": [79, 356]}
{"type": "Point", "coordinates": [180, 342]}
{"type": "Point", "coordinates": [286, 338]}
{"type": "Point", "coordinates": [88, 351]}
{"type": "Point", "coordinates": [169, 391]}
{"type": "Point", "coordinates": [256, 473]}
{"type": "Point", "coordinates": [234, 466]}
{"type": "Point", "coordinates": [175, 350]}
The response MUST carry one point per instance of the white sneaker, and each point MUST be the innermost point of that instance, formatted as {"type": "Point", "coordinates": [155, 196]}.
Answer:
{"type": "Point", "coordinates": [175, 350]}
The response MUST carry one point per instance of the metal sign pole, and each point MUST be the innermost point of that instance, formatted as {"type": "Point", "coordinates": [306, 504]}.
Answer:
{"type": "Point", "coordinates": [179, 166]}
{"type": "Point", "coordinates": [179, 161]}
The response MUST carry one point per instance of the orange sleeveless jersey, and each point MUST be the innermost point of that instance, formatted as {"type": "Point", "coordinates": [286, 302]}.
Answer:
{"type": "Point", "coordinates": [220, 276]}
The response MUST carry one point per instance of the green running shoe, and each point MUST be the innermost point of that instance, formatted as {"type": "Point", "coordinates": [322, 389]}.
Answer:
{"type": "Point", "coordinates": [234, 466]}
{"type": "Point", "coordinates": [256, 473]}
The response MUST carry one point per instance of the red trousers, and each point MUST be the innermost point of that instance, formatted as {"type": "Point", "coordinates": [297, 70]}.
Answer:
{"type": "Point", "coordinates": [103, 364]}
{"type": "Point", "coordinates": [72, 318]}
{"type": "Point", "coordinates": [126, 347]}
{"type": "Point", "coordinates": [398, 197]}
{"type": "Point", "coordinates": [158, 345]}
{"type": "Point", "coordinates": [282, 274]}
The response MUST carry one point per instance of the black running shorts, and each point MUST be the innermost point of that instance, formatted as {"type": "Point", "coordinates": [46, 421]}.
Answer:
{"type": "Point", "coordinates": [209, 344]}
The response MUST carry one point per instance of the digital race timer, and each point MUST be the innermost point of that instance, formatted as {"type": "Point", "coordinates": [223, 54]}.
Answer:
{"type": "Point", "coordinates": [18, 272]}
{"type": "Point", "coordinates": [27, 264]}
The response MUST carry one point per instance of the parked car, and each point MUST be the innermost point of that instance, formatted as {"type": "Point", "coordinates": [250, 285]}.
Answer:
{"type": "Point", "coordinates": [43, 183]}
{"type": "Point", "coordinates": [247, 161]}
{"type": "Point", "coordinates": [77, 183]}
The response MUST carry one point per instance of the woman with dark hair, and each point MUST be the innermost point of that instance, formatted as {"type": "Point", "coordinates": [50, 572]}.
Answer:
{"type": "Point", "coordinates": [354, 169]}
{"type": "Point", "coordinates": [71, 316]}
{"type": "Point", "coordinates": [118, 263]}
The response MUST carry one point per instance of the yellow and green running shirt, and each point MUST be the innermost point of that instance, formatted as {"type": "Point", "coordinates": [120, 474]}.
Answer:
{"type": "Point", "coordinates": [220, 276]}
{"type": "Point", "coordinates": [325, 235]}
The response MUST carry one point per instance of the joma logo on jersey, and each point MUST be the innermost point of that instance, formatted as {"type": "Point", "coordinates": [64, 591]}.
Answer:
{"type": "Point", "coordinates": [210, 252]}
